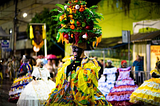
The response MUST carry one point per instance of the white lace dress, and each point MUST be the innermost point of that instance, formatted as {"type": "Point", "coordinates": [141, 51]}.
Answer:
{"type": "Point", "coordinates": [37, 91]}
{"type": "Point", "coordinates": [106, 86]}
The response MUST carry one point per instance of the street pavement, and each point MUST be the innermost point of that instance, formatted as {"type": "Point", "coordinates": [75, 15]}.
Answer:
{"type": "Point", "coordinates": [5, 85]}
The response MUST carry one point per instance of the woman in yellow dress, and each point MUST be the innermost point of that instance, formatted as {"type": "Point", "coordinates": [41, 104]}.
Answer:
{"type": "Point", "coordinates": [149, 91]}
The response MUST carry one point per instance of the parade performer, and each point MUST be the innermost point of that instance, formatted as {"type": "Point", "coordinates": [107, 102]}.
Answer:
{"type": "Point", "coordinates": [49, 66]}
{"type": "Point", "coordinates": [24, 77]}
{"type": "Point", "coordinates": [77, 79]}
{"type": "Point", "coordinates": [37, 91]}
{"type": "Point", "coordinates": [120, 93]}
{"type": "Point", "coordinates": [108, 79]}
{"type": "Point", "coordinates": [149, 91]}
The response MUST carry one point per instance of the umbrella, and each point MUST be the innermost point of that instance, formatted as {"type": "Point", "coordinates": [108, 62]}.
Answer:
{"type": "Point", "coordinates": [51, 56]}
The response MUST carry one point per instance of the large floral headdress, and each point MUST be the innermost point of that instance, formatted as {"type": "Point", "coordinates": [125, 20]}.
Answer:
{"type": "Point", "coordinates": [77, 23]}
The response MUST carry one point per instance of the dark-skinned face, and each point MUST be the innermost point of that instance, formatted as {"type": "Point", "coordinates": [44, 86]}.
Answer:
{"type": "Point", "coordinates": [77, 51]}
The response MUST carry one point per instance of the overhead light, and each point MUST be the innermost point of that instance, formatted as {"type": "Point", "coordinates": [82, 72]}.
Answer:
{"type": "Point", "coordinates": [36, 49]}
{"type": "Point", "coordinates": [10, 31]}
{"type": "Point", "coordinates": [24, 15]}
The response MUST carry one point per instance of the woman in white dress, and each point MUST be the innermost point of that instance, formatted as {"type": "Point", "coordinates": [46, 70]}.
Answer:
{"type": "Point", "coordinates": [37, 91]}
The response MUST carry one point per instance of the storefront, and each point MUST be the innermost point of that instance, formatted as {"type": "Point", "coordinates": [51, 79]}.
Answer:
{"type": "Point", "coordinates": [147, 45]}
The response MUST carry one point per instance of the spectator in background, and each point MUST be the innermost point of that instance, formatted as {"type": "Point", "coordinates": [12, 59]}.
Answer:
{"type": "Point", "coordinates": [1, 71]}
{"type": "Point", "coordinates": [101, 61]}
{"type": "Point", "coordinates": [60, 63]}
{"type": "Point", "coordinates": [49, 66]}
{"type": "Point", "coordinates": [101, 70]}
{"type": "Point", "coordinates": [5, 70]}
{"type": "Point", "coordinates": [11, 69]}
{"type": "Point", "coordinates": [138, 64]}
{"type": "Point", "coordinates": [54, 64]}
{"type": "Point", "coordinates": [109, 64]}
{"type": "Point", "coordinates": [16, 65]}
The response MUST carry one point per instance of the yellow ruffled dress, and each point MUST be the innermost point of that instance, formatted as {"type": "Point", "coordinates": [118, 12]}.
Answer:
{"type": "Point", "coordinates": [148, 92]}
{"type": "Point", "coordinates": [81, 87]}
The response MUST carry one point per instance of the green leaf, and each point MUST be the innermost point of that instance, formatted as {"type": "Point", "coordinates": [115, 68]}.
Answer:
{"type": "Point", "coordinates": [93, 7]}
{"type": "Point", "coordinates": [54, 16]}
{"type": "Point", "coordinates": [61, 6]}
{"type": "Point", "coordinates": [54, 10]}
{"type": "Point", "coordinates": [58, 35]}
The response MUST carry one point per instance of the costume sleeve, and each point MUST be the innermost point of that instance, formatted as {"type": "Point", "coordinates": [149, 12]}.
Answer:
{"type": "Point", "coordinates": [154, 75]}
{"type": "Point", "coordinates": [117, 74]}
{"type": "Point", "coordinates": [35, 72]}
{"type": "Point", "coordinates": [24, 71]}
{"type": "Point", "coordinates": [48, 74]}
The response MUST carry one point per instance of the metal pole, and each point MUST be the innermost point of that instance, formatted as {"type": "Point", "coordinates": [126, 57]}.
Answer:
{"type": "Point", "coordinates": [129, 46]}
{"type": "Point", "coordinates": [45, 43]}
{"type": "Point", "coordinates": [15, 27]}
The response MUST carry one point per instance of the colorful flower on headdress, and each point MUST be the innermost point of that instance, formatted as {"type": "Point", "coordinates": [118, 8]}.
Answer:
{"type": "Point", "coordinates": [77, 23]}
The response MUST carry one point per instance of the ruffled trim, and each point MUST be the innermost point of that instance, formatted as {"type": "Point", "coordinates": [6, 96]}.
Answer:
{"type": "Point", "coordinates": [14, 97]}
{"type": "Point", "coordinates": [156, 80]}
{"type": "Point", "coordinates": [124, 88]}
{"type": "Point", "coordinates": [26, 77]}
{"type": "Point", "coordinates": [121, 93]}
{"type": "Point", "coordinates": [16, 91]}
{"type": "Point", "coordinates": [125, 82]}
{"type": "Point", "coordinates": [148, 92]}
{"type": "Point", "coordinates": [119, 96]}
{"type": "Point", "coordinates": [121, 103]}
{"type": "Point", "coordinates": [110, 70]}
{"type": "Point", "coordinates": [137, 97]}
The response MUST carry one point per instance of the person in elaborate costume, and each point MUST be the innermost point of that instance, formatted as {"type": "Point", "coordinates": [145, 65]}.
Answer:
{"type": "Point", "coordinates": [49, 66]}
{"type": "Point", "coordinates": [149, 92]}
{"type": "Point", "coordinates": [77, 79]}
{"type": "Point", "coordinates": [37, 91]}
{"type": "Point", "coordinates": [120, 93]}
{"type": "Point", "coordinates": [108, 79]}
{"type": "Point", "coordinates": [76, 83]}
{"type": "Point", "coordinates": [24, 77]}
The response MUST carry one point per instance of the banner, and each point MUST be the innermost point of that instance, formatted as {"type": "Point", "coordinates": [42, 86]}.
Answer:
{"type": "Point", "coordinates": [5, 44]}
{"type": "Point", "coordinates": [37, 34]}
{"type": "Point", "coordinates": [155, 55]}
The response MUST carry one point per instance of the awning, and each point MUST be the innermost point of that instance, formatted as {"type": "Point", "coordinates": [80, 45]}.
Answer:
{"type": "Point", "coordinates": [140, 37]}
{"type": "Point", "coordinates": [117, 41]}
{"type": "Point", "coordinates": [109, 42]}
{"type": "Point", "coordinates": [3, 33]}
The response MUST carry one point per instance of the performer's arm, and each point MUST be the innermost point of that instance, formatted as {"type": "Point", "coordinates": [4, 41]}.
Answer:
{"type": "Point", "coordinates": [154, 75]}
{"type": "Point", "coordinates": [34, 77]}
{"type": "Point", "coordinates": [24, 71]}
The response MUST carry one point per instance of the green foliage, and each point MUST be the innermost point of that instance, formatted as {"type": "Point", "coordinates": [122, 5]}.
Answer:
{"type": "Point", "coordinates": [46, 17]}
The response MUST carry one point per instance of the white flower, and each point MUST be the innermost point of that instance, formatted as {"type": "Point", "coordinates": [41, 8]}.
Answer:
{"type": "Point", "coordinates": [77, 7]}
{"type": "Point", "coordinates": [65, 7]}
{"type": "Point", "coordinates": [84, 36]}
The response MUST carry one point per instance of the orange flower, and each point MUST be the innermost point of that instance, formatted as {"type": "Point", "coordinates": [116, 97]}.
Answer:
{"type": "Point", "coordinates": [71, 16]}
{"type": "Point", "coordinates": [81, 9]}
{"type": "Point", "coordinates": [72, 26]}
{"type": "Point", "coordinates": [76, 1]}
{"type": "Point", "coordinates": [61, 18]}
